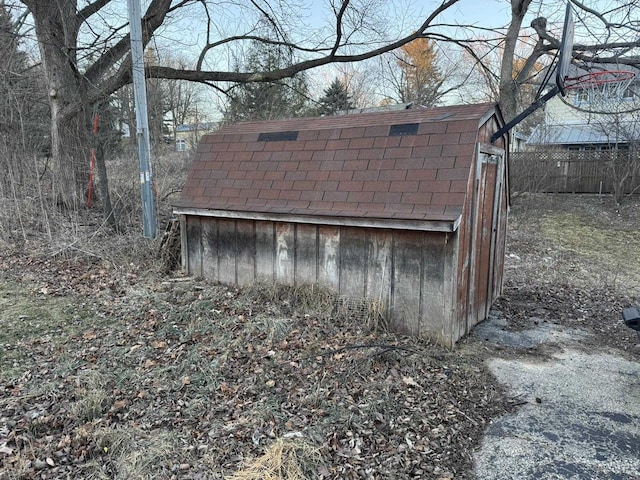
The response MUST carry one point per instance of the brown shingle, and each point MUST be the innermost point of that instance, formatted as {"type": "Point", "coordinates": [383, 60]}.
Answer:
{"type": "Point", "coordinates": [347, 166]}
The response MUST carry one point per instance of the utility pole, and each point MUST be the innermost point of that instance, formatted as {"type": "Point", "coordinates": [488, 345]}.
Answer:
{"type": "Point", "coordinates": [149, 223]}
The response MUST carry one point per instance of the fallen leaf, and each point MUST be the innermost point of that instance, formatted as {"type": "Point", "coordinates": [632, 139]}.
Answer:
{"type": "Point", "coordinates": [226, 389]}
{"type": "Point", "coordinates": [6, 450]}
{"type": "Point", "coordinates": [159, 344]}
{"type": "Point", "coordinates": [120, 404]}
{"type": "Point", "coordinates": [148, 363]}
{"type": "Point", "coordinates": [410, 381]}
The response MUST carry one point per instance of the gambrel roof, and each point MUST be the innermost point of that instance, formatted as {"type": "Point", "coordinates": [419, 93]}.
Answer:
{"type": "Point", "coordinates": [402, 166]}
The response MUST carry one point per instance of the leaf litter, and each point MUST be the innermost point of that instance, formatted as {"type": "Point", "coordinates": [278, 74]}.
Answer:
{"type": "Point", "coordinates": [111, 372]}
{"type": "Point", "coordinates": [135, 377]}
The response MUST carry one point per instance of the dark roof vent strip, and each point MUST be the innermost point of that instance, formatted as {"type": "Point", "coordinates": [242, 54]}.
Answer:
{"type": "Point", "coordinates": [287, 136]}
{"type": "Point", "coordinates": [403, 129]}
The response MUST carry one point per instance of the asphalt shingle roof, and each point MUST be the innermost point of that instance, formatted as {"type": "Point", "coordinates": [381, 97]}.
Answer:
{"type": "Point", "coordinates": [407, 165]}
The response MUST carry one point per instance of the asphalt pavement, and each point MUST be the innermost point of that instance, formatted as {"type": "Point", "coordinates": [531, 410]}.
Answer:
{"type": "Point", "coordinates": [578, 415]}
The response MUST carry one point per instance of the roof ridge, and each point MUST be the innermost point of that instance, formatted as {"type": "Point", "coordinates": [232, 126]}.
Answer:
{"type": "Point", "coordinates": [430, 114]}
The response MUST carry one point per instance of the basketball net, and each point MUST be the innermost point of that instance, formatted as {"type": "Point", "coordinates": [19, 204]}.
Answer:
{"type": "Point", "coordinates": [603, 92]}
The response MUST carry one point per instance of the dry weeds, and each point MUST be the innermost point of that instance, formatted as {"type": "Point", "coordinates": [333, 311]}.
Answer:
{"type": "Point", "coordinates": [110, 371]}
{"type": "Point", "coordinates": [138, 377]}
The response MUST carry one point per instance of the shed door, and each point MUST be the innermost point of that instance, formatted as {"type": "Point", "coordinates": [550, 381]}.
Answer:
{"type": "Point", "coordinates": [485, 229]}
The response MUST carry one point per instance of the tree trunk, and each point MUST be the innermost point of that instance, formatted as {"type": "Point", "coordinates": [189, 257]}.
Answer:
{"type": "Point", "coordinates": [71, 154]}
{"type": "Point", "coordinates": [57, 31]}
{"type": "Point", "coordinates": [508, 86]}
{"type": "Point", "coordinates": [108, 211]}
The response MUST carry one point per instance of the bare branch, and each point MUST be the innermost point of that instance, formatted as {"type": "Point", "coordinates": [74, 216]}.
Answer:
{"type": "Point", "coordinates": [339, 17]}
{"type": "Point", "coordinates": [152, 20]}
{"type": "Point", "coordinates": [90, 9]}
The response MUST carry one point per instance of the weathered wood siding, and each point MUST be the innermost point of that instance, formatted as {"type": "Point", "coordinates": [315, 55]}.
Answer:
{"type": "Point", "coordinates": [408, 274]}
{"type": "Point", "coordinates": [482, 235]}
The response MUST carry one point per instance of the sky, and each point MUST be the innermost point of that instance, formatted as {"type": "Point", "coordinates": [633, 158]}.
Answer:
{"type": "Point", "coordinates": [408, 13]}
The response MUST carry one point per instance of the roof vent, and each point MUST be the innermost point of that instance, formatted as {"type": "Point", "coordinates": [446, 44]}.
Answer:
{"type": "Point", "coordinates": [403, 129]}
{"type": "Point", "coordinates": [288, 136]}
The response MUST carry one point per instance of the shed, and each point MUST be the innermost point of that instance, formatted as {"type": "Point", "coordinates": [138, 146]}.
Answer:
{"type": "Point", "coordinates": [407, 209]}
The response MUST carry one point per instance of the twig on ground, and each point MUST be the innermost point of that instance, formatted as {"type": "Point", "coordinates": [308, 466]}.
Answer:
{"type": "Point", "coordinates": [386, 348]}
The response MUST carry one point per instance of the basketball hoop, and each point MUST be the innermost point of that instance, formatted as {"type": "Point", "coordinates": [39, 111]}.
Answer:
{"type": "Point", "coordinates": [600, 91]}
{"type": "Point", "coordinates": [603, 91]}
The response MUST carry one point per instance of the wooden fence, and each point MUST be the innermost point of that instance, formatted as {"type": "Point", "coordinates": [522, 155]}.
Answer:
{"type": "Point", "coordinates": [569, 171]}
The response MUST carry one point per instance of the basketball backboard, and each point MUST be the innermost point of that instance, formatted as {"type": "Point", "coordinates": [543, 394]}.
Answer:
{"type": "Point", "coordinates": [565, 49]}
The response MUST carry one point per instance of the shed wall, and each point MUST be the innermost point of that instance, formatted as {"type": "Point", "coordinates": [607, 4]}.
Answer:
{"type": "Point", "coordinates": [482, 234]}
{"type": "Point", "coordinates": [408, 274]}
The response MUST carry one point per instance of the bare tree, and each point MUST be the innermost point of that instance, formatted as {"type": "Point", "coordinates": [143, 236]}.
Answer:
{"type": "Point", "coordinates": [621, 133]}
{"type": "Point", "coordinates": [414, 72]}
{"type": "Point", "coordinates": [613, 39]}
{"type": "Point", "coordinates": [85, 53]}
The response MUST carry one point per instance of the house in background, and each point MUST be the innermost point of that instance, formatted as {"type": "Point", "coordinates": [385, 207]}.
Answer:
{"type": "Point", "coordinates": [405, 209]}
{"type": "Point", "coordinates": [575, 123]}
{"type": "Point", "coordinates": [580, 148]}
{"type": "Point", "coordinates": [518, 141]}
{"type": "Point", "coordinates": [187, 136]}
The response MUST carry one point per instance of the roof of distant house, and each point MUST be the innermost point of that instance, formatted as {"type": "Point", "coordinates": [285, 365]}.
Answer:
{"type": "Point", "coordinates": [597, 133]}
{"type": "Point", "coordinates": [193, 127]}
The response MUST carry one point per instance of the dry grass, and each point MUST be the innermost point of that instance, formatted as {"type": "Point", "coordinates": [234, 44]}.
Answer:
{"type": "Point", "coordinates": [581, 240]}
{"type": "Point", "coordinates": [188, 380]}
{"type": "Point", "coordinates": [30, 220]}
{"type": "Point", "coordinates": [288, 458]}
{"type": "Point", "coordinates": [112, 371]}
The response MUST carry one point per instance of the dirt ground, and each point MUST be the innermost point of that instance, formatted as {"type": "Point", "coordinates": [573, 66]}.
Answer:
{"type": "Point", "coordinates": [118, 372]}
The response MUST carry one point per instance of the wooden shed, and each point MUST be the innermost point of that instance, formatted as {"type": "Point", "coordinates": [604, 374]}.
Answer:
{"type": "Point", "coordinates": [405, 208]}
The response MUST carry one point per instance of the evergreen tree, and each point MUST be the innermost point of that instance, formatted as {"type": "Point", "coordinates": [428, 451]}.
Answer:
{"type": "Point", "coordinates": [267, 100]}
{"type": "Point", "coordinates": [336, 97]}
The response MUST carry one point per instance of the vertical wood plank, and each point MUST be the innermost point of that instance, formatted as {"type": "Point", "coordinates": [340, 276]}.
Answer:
{"type": "Point", "coordinates": [329, 257]}
{"type": "Point", "coordinates": [435, 252]}
{"type": "Point", "coordinates": [184, 249]}
{"type": "Point", "coordinates": [245, 252]}
{"type": "Point", "coordinates": [475, 232]}
{"type": "Point", "coordinates": [285, 255]}
{"type": "Point", "coordinates": [454, 328]}
{"type": "Point", "coordinates": [407, 265]}
{"type": "Point", "coordinates": [501, 241]}
{"type": "Point", "coordinates": [265, 251]}
{"type": "Point", "coordinates": [227, 250]}
{"type": "Point", "coordinates": [379, 269]}
{"type": "Point", "coordinates": [306, 252]}
{"type": "Point", "coordinates": [353, 260]}
{"type": "Point", "coordinates": [462, 240]}
{"type": "Point", "coordinates": [210, 248]}
{"type": "Point", "coordinates": [483, 245]}
{"type": "Point", "coordinates": [194, 247]}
